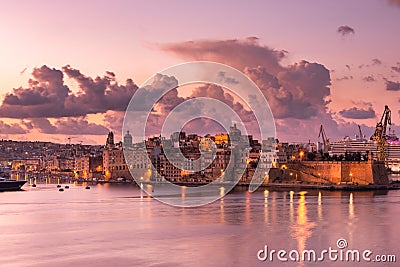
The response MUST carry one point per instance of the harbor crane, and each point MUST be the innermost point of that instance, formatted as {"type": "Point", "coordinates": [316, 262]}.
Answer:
{"type": "Point", "coordinates": [325, 140]}
{"type": "Point", "coordinates": [380, 134]}
{"type": "Point", "coordinates": [69, 139]}
{"type": "Point", "coordinates": [360, 134]}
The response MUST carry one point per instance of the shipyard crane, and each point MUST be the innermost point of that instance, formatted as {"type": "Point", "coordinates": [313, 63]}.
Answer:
{"type": "Point", "coordinates": [69, 139]}
{"type": "Point", "coordinates": [325, 140]}
{"type": "Point", "coordinates": [361, 136]}
{"type": "Point", "coordinates": [380, 134]}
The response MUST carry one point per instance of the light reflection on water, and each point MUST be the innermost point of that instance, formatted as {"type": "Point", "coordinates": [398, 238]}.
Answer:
{"type": "Point", "coordinates": [114, 225]}
{"type": "Point", "coordinates": [301, 231]}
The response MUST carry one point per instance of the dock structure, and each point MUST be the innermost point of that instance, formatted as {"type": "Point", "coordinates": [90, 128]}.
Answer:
{"type": "Point", "coordinates": [332, 172]}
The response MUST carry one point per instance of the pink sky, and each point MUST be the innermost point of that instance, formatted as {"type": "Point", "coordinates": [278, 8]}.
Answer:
{"type": "Point", "coordinates": [135, 39]}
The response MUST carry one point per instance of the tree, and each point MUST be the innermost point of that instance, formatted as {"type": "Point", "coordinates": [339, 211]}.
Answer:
{"type": "Point", "coordinates": [311, 156]}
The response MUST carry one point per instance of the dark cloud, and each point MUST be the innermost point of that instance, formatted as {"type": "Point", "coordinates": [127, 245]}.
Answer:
{"type": "Point", "coordinates": [48, 96]}
{"type": "Point", "coordinates": [13, 128]}
{"type": "Point", "coordinates": [170, 100]}
{"type": "Point", "coordinates": [358, 113]}
{"type": "Point", "coordinates": [308, 83]}
{"type": "Point", "coordinates": [225, 79]}
{"type": "Point", "coordinates": [99, 94]}
{"type": "Point", "coordinates": [345, 30]}
{"type": "Point", "coordinates": [68, 126]}
{"type": "Point", "coordinates": [213, 91]}
{"type": "Point", "coordinates": [236, 53]}
{"type": "Point", "coordinates": [344, 78]}
{"type": "Point", "coordinates": [217, 92]}
{"type": "Point", "coordinates": [43, 125]}
{"type": "Point", "coordinates": [397, 67]}
{"type": "Point", "coordinates": [376, 61]}
{"type": "Point", "coordinates": [113, 120]}
{"type": "Point", "coordinates": [27, 124]}
{"type": "Point", "coordinates": [392, 86]}
{"type": "Point", "coordinates": [299, 90]}
{"type": "Point", "coordinates": [394, 2]}
{"type": "Point", "coordinates": [262, 78]}
{"type": "Point", "coordinates": [348, 67]}
{"type": "Point", "coordinates": [369, 78]}
{"type": "Point", "coordinates": [148, 94]}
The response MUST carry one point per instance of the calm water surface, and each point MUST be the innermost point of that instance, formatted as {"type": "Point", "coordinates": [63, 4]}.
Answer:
{"type": "Point", "coordinates": [112, 225]}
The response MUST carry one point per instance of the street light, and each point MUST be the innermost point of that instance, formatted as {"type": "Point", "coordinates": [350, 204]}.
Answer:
{"type": "Point", "coordinates": [301, 154]}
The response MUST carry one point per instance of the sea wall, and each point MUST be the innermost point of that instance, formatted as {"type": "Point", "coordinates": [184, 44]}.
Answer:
{"type": "Point", "coordinates": [328, 172]}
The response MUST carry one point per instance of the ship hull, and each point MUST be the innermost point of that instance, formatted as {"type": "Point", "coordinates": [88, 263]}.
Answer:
{"type": "Point", "coordinates": [11, 185]}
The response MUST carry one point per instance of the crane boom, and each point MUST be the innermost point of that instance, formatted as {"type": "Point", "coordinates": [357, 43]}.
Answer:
{"type": "Point", "coordinates": [361, 136]}
{"type": "Point", "coordinates": [325, 140]}
{"type": "Point", "coordinates": [69, 139]}
{"type": "Point", "coordinates": [380, 134]}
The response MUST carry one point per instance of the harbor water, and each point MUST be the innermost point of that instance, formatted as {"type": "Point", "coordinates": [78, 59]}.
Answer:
{"type": "Point", "coordinates": [117, 225]}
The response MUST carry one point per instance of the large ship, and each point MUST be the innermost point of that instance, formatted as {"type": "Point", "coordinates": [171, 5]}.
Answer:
{"type": "Point", "coordinates": [384, 146]}
{"type": "Point", "coordinates": [10, 185]}
{"type": "Point", "coordinates": [364, 146]}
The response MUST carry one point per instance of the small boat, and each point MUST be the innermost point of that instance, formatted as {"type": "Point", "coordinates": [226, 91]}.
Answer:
{"type": "Point", "coordinates": [10, 185]}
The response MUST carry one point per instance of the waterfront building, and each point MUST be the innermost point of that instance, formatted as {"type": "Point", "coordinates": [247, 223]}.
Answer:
{"type": "Point", "coordinates": [114, 165]}
{"type": "Point", "coordinates": [81, 167]}
{"type": "Point", "coordinates": [26, 165]}
{"type": "Point", "coordinates": [222, 138]}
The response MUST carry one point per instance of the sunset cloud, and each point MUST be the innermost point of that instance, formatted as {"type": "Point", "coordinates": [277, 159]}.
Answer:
{"type": "Point", "coordinates": [237, 53]}
{"type": "Point", "coordinates": [298, 94]}
{"type": "Point", "coordinates": [13, 128]}
{"type": "Point", "coordinates": [345, 30]}
{"type": "Point", "coordinates": [217, 92]}
{"type": "Point", "coordinates": [392, 86]}
{"type": "Point", "coordinates": [225, 79]}
{"type": "Point", "coordinates": [48, 96]}
{"type": "Point", "coordinates": [298, 90]}
{"type": "Point", "coordinates": [68, 126]}
{"type": "Point", "coordinates": [369, 78]}
{"type": "Point", "coordinates": [344, 78]}
{"type": "Point", "coordinates": [376, 61]}
{"type": "Point", "coordinates": [358, 113]}
{"type": "Point", "coordinates": [396, 68]}
{"type": "Point", "coordinates": [113, 120]}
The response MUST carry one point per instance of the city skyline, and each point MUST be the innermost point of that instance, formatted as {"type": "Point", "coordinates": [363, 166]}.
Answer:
{"type": "Point", "coordinates": [326, 63]}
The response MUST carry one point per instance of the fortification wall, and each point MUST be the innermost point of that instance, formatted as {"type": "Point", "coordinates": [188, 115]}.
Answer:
{"type": "Point", "coordinates": [328, 172]}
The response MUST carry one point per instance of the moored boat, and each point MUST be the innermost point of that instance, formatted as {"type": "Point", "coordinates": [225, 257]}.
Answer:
{"type": "Point", "coordinates": [10, 185]}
